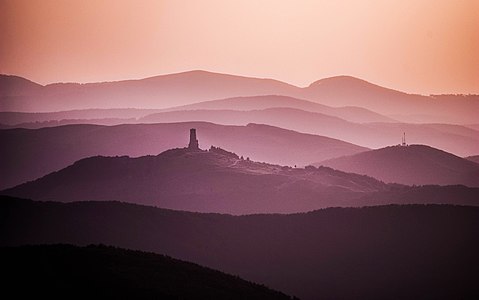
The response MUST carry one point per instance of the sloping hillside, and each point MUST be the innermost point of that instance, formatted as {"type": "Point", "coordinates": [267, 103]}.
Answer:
{"type": "Point", "coordinates": [98, 271]}
{"type": "Point", "coordinates": [28, 154]}
{"type": "Point", "coordinates": [387, 252]}
{"type": "Point", "coordinates": [474, 158]}
{"type": "Point", "coordinates": [350, 91]}
{"type": "Point", "coordinates": [205, 181]}
{"type": "Point", "coordinates": [412, 165]}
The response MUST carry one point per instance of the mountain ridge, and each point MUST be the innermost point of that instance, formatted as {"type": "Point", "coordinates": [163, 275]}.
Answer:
{"type": "Point", "coordinates": [52, 148]}
{"type": "Point", "coordinates": [205, 181]}
{"type": "Point", "coordinates": [190, 87]}
{"type": "Point", "coordinates": [248, 103]}
{"type": "Point", "coordinates": [220, 181]}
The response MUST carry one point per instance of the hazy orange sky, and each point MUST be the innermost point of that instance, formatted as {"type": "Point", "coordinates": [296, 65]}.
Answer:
{"type": "Point", "coordinates": [428, 46]}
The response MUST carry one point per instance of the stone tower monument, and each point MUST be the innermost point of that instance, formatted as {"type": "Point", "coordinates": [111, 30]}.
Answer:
{"type": "Point", "coordinates": [193, 145]}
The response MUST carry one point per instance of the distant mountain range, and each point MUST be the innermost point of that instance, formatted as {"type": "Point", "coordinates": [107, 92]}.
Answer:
{"type": "Point", "coordinates": [353, 114]}
{"type": "Point", "coordinates": [28, 154]}
{"type": "Point", "coordinates": [413, 164]}
{"type": "Point", "coordinates": [222, 182]}
{"type": "Point", "coordinates": [86, 116]}
{"type": "Point", "coordinates": [457, 139]}
{"type": "Point", "coordinates": [284, 112]}
{"type": "Point", "coordinates": [386, 252]}
{"type": "Point", "coordinates": [349, 113]}
{"type": "Point", "coordinates": [65, 271]}
{"type": "Point", "coordinates": [19, 94]}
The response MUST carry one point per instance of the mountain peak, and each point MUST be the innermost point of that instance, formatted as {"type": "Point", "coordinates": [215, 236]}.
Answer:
{"type": "Point", "coordinates": [343, 81]}
{"type": "Point", "coordinates": [209, 75]}
{"type": "Point", "coordinates": [11, 85]}
{"type": "Point", "coordinates": [412, 165]}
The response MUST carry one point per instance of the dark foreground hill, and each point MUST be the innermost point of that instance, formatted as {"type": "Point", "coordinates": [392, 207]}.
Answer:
{"type": "Point", "coordinates": [385, 252]}
{"type": "Point", "coordinates": [66, 271]}
{"type": "Point", "coordinates": [414, 164]}
{"type": "Point", "coordinates": [27, 154]}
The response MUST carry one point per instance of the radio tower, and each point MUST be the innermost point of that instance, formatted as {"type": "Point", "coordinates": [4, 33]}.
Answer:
{"type": "Point", "coordinates": [403, 140]}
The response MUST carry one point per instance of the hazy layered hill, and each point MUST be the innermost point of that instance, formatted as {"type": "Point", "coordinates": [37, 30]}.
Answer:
{"type": "Point", "coordinates": [473, 126]}
{"type": "Point", "coordinates": [456, 139]}
{"type": "Point", "coordinates": [389, 252]}
{"type": "Point", "coordinates": [30, 119]}
{"type": "Point", "coordinates": [205, 181]}
{"type": "Point", "coordinates": [15, 86]}
{"type": "Point", "coordinates": [350, 91]}
{"type": "Point", "coordinates": [154, 92]}
{"type": "Point", "coordinates": [28, 154]}
{"type": "Point", "coordinates": [290, 118]}
{"type": "Point", "coordinates": [66, 271]}
{"type": "Point", "coordinates": [352, 114]}
{"type": "Point", "coordinates": [414, 164]}
{"type": "Point", "coordinates": [460, 140]}
{"type": "Point", "coordinates": [195, 86]}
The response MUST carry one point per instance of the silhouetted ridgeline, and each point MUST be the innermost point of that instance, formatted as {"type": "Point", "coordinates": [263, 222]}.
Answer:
{"type": "Point", "coordinates": [29, 154]}
{"type": "Point", "coordinates": [219, 181]}
{"type": "Point", "coordinates": [106, 272]}
{"type": "Point", "coordinates": [385, 252]}
{"type": "Point", "coordinates": [204, 181]}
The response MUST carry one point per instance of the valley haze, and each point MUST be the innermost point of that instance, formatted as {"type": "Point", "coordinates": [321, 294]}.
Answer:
{"type": "Point", "coordinates": [257, 148]}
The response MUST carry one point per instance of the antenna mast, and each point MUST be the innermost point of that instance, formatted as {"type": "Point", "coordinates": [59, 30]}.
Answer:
{"type": "Point", "coordinates": [404, 139]}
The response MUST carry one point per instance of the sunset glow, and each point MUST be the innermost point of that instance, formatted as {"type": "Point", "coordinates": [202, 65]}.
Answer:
{"type": "Point", "coordinates": [239, 149]}
{"type": "Point", "coordinates": [426, 47]}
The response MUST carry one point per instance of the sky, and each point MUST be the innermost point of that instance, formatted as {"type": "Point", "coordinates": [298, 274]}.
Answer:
{"type": "Point", "coordinates": [426, 47]}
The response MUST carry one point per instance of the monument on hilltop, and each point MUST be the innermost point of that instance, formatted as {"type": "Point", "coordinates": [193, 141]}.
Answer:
{"type": "Point", "coordinates": [193, 145]}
